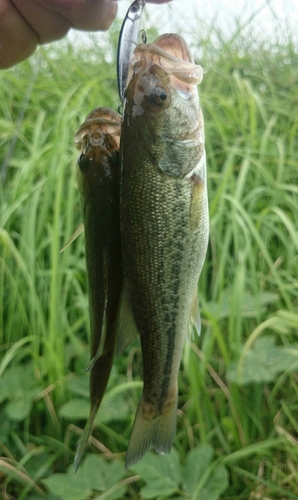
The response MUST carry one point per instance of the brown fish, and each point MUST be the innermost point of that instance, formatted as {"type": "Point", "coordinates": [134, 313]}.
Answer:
{"type": "Point", "coordinates": [98, 178]}
{"type": "Point", "coordinates": [164, 224]}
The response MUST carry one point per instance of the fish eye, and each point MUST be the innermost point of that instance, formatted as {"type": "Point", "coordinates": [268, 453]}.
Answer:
{"type": "Point", "coordinates": [160, 96]}
{"type": "Point", "coordinates": [163, 95]}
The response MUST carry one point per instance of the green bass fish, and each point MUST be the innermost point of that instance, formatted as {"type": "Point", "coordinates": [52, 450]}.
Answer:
{"type": "Point", "coordinates": [164, 224]}
{"type": "Point", "coordinates": [98, 179]}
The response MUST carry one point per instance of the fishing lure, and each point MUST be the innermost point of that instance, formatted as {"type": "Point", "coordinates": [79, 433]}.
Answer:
{"type": "Point", "coordinates": [128, 40]}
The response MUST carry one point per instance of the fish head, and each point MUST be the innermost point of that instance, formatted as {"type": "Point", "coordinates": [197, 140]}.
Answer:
{"type": "Point", "coordinates": [98, 140]}
{"type": "Point", "coordinates": [162, 106]}
{"type": "Point", "coordinates": [99, 123]}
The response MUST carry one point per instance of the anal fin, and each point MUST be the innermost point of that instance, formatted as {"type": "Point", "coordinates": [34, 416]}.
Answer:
{"type": "Point", "coordinates": [127, 326]}
{"type": "Point", "coordinates": [195, 314]}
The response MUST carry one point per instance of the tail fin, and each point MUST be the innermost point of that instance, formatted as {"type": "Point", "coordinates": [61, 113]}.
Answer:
{"type": "Point", "coordinates": [151, 429]}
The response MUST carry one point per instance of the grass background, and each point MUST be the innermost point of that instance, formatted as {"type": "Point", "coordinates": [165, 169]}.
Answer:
{"type": "Point", "coordinates": [237, 432]}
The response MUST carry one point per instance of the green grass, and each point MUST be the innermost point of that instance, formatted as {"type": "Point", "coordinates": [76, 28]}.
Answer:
{"type": "Point", "coordinates": [238, 383]}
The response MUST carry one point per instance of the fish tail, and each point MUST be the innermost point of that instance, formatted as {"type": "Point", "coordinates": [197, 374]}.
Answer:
{"type": "Point", "coordinates": [83, 441]}
{"type": "Point", "coordinates": [152, 429]}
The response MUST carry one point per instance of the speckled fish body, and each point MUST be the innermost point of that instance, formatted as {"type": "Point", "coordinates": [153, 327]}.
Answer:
{"type": "Point", "coordinates": [98, 179]}
{"type": "Point", "coordinates": [165, 227]}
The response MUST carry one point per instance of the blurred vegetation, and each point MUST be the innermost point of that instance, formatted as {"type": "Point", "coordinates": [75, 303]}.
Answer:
{"type": "Point", "coordinates": [237, 433]}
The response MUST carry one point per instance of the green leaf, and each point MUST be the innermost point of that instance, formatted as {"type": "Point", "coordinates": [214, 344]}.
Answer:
{"type": "Point", "coordinates": [216, 485]}
{"type": "Point", "coordinates": [116, 492]}
{"type": "Point", "coordinates": [263, 362]}
{"type": "Point", "coordinates": [111, 409]}
{"type": "Point", "coordinates": [75, 409]}
{"type": "Point", "coordinates": [100, 473]}
{"type": "Point", "coordinates": [161, 473]}
{"type": "Point", "coordinates": [19, 379]}
{"type": "Point", "coordinates": [95, 473]}
{"type": "Point", "coordinates": [197, 463]}
{"type": "Point", "coordinates": [18, 384]}
{"type": "Point", "coordinates": [18, 410]}
{"type": "Point", "coordinates": [199, 480]}
{"type": "Point", "coordinates": [69, 486]}
{"type": "Point", "coordinates": [79, 385]}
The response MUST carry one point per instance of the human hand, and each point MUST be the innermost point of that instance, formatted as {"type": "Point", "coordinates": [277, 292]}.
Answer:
{"type": "Point", "coordinates": [25, 24]}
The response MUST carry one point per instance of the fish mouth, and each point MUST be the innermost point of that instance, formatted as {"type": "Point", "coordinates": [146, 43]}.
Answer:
{"type": "Point", "coordinates": [176, 46]}
{"type": "Point", "coordinates": [98, 123]}
{"type": "Point", "coordinates": [171, 53]}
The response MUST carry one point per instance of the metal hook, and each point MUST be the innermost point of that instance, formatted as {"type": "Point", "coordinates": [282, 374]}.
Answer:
{"type": "Point", "coordinates": [143, 35]}
{"type": "Point", "coordinates": [120, 108]}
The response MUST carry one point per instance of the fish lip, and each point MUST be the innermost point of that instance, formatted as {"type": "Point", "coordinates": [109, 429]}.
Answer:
{"type": "Point", "coordinates": [175, 43]}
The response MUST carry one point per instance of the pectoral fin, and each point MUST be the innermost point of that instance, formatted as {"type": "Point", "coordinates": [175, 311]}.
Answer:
{"type": "Point", "coordinates": [73, 237]}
